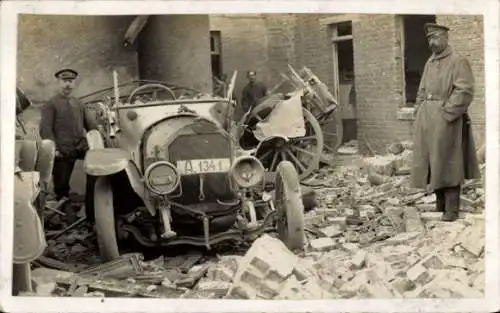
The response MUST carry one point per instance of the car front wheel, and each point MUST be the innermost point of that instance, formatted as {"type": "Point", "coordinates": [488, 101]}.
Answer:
{"type": "Point", "coordinates": [105, 219]}
{"type": "Point", "coordinates": [289, 207]}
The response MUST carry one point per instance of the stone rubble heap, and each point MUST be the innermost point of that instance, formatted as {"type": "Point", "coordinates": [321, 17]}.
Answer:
{"type": "Point", "coordinates": [370, 236]}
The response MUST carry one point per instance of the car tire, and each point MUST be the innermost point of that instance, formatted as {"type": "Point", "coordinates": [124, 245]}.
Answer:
{"type": "Point", "coordinates": [105, 220]}
{"type": "Point", "coordinates": [289, 206]}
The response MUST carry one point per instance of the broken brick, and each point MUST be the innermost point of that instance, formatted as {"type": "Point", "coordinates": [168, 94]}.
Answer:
{"type": "Point", "coordinates": [264, 268]}
{"type": "Point", "coordinates": [359, 260]}
{"type": "Point", "coordinates": [350, 247]}
{"type": "Point", "coordinates": [45, 289]}
{"type": "Point", "coordinates": [322, 244]}
{"type": "Point", "coordinates": [402, 238]}
{"type": "Point", "coordinates": [312, 218]}
{"type": "Point", "coordinates": [402, 285]}
{"type": "Point", "coordinates": [418, 274]}
{"type": "Point", "coordinates": [341, 222]}
{"type": "Point", "coordinates": [472, 239]}
{"type": "Point", "coordinates": [433, 261]}
{"type": "Point", "coordinates": [383, 165]}
{"type": "Point", "coordinates": [413, 223]}
{"type": "Point", "coordinates": [377, 290]}
{"type": "Point", "coordinates": [332, 231]}
{"type": "Point", "coordinates": [215, 286]}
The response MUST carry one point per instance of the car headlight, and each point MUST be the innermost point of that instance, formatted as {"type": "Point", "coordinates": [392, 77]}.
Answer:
{"type": "Point", "coordinates": [162, 177]}
{"type": "Point", "coordinates": [247, 171]}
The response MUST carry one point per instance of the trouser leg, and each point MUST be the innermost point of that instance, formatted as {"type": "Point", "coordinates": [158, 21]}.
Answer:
{"type": "Point", "coordinates": [440, 200]}
{"type": "Point", "coordinates": [63, 168]}
{"type": "Point", "coordinates": [452, 207]}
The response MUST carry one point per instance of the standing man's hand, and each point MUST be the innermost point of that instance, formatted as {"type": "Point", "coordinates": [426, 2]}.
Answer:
{"type": "Point", "coordinates": [57, 154]}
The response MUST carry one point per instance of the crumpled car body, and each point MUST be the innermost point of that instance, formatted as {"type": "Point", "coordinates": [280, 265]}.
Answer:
{"type": "Point", "coordinates": [169, 172]}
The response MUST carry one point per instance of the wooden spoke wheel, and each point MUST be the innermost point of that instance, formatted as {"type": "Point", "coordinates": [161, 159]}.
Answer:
{"type": "Point", "coordinates": [289, 207]}
{"type": "Point", "coordinates": [303, 152]}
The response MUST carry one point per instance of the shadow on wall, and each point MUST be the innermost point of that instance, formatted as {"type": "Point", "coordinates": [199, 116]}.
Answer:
{"type": "Point", "coordinates": [31, 118]}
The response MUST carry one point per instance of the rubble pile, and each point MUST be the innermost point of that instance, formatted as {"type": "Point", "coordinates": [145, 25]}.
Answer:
{"type": "Point", "coordinates": [369, 236]}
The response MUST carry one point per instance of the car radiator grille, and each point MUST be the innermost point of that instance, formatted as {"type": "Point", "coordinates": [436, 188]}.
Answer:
{"type": "Point", "coordinates": [202, 146]}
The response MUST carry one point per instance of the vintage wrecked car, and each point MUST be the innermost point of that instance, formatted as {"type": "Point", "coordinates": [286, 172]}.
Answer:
{"type": "Point", "coordinates": [288, 124]}
{"type": "Point", "coordinates": [34, 161]}
{"type": "Point", "coordinates": [169, 172]}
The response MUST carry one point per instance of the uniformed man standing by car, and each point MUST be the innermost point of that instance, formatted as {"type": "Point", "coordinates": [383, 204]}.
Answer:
{"type": "Point", "coordinates": [64, 121]}
{"type": "Point", "coordinates": [444, 151]}
{"type": "Point", "coordinates": [252, 92]}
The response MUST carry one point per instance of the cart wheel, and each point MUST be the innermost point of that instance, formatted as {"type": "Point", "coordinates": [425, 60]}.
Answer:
{"type": "Point", "coordinates": [105, 219]}
{"type": "Point", "coordinates": [333, 131]}
{"type": "Point", "coordinates": [303, 152]}
{"type": "Point", "coordinates": [289, 206]}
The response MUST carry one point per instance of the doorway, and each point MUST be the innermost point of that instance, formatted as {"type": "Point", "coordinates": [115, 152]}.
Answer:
{"type": "Point", "coordinates": [343, 78]}
{"type": "Point", "coordinates": [215, 54]}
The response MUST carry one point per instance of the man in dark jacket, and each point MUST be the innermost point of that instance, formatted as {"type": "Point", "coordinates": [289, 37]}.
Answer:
{"type": "Point", "coordinates": [444, 151]}
{"type": "Point", "coordinates": [252, 92]}
{"type": "Point", "coordinates": [64, 121]}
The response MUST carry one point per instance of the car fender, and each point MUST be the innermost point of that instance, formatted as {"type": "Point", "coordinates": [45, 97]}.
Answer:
{"type": "Point", "coordinates": [29, 238]}
{"type": "Point", "coordinates": [105, 161]}
{"type": "Point", "coordinates": [137, 182]}
{"type": "Point", "coordinates": [109, 161]}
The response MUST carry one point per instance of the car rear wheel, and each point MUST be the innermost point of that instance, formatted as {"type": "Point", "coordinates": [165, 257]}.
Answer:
{"type": "Point", "coordinates": [289, 206]}
{"type": "Point", "coordinates": [105, 219]}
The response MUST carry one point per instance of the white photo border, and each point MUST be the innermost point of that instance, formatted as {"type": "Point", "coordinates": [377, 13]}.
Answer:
{"type": "Point", "coordinates": [8, 45]}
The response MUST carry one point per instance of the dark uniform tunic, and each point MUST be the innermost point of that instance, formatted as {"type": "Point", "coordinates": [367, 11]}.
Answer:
{"type": "Point", "coordinates": [64, 121]}
{"type": "Point", "coordinates": [444, 151]}
{"type": "Point", "coordinates": [251, 94]}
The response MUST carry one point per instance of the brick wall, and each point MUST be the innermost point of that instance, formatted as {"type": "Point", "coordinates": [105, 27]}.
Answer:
{"type": "Point", "coordinates": [378, 62]}
{"type": "Point", "coordinates": [378, 80]}
{"type": "Point", "coordinates": [176, 49]}
{"type": "Point", "coordinates": [90, 44]}
{"type": "Point", "coordinates": [466, 38]}
{"type": "Point", "coordinates": [244, 46]}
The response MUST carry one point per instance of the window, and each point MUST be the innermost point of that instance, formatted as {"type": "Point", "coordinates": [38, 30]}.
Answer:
{"type": "Point", "coordinates": [416, 53]}
{"type": "Point", "coordinates": [215, 52]}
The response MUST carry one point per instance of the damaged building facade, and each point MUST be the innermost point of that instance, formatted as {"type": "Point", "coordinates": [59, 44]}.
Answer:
{"type": "Point", "coordinates": [372, 63]}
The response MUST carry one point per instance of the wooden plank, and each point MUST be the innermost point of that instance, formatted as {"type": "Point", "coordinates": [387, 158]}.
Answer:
{"type": "Point", "coordinates": [110, 287]}
{"type": "Point", "coordinates": [336, 39]}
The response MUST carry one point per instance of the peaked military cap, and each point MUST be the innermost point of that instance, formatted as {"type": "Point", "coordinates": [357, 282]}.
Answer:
{"type": "Point", "coordinates": [66, 73]}
{"type": "Point", "coordinates": [431, 29]}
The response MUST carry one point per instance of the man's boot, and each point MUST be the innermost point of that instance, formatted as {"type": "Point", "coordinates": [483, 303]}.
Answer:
{"type": "Point", "coordinates": [452, 197]}
{"type": "Point", "coordinates": [440, 200]}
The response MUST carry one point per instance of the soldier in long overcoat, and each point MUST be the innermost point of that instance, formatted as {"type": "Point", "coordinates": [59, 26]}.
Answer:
{"type": "Point", "coordinates": [444, 150]}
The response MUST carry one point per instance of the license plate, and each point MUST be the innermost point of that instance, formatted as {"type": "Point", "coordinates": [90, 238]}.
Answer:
{"type": "Point", "coordinates": [190, 167]}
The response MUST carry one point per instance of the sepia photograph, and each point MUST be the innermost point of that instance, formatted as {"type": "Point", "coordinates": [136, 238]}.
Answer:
{"type": "Point", "coordinates": [215, 152]}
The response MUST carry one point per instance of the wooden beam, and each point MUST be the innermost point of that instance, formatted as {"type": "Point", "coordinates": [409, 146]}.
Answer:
{"type": "Point", "coordinates": [341, 38]}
